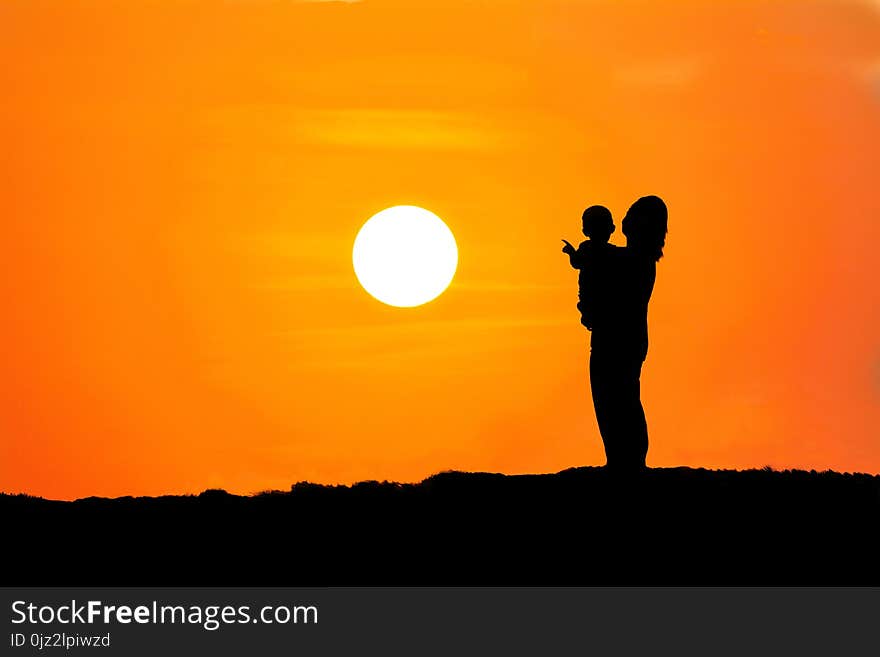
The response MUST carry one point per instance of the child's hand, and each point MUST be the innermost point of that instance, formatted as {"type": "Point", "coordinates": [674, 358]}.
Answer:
{"type": "Point", "coordinates": [568, 248]}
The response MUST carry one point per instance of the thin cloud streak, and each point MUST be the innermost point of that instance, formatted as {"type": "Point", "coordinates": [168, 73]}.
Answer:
{"type": "Point", "coordinates": [427, 325]}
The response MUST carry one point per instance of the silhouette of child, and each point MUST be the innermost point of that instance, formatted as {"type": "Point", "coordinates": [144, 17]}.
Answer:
{"type": "Point", "coordinates": [598, 226]}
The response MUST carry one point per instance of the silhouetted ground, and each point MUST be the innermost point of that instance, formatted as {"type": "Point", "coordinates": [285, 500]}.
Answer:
{"type": "Point", "coordinates": [579, 526]}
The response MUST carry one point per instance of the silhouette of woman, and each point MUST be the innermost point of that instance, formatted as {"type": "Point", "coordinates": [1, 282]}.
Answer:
{"type": "Point", "coordinates": [619, 343]}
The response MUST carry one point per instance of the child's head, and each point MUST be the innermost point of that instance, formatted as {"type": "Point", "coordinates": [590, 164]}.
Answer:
{"type": "Point", "coordinates": [598, 224]}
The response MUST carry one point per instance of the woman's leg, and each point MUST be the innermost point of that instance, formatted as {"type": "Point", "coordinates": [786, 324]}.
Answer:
{"type": "Point", "coordinates": [635, 434]}
{"type": "Point", "coordinates": [617, 401]}
{"type": "Point", "coordinates": [602, 388]}
{"type": "Point", "coordinates": [608, 380]}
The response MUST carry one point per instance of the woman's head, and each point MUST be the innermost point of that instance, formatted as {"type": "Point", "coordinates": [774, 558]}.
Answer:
{"type": "Point", "coordinates": [645, 226]}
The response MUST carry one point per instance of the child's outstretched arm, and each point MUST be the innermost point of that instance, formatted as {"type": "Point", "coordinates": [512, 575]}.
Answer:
{"type": "Point", "coordinates": [572, 254]}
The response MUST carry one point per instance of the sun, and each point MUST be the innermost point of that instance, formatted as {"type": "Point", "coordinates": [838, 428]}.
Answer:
{"type": "Point", "coordinates": [405, 256]}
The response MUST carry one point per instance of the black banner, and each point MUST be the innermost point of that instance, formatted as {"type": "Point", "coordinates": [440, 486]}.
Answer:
{"type": "Point", "coordinates": [415, 621]}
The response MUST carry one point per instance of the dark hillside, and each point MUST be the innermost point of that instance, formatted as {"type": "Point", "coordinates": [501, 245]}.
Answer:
{"type": "Point", "coordinates": [579, 526]}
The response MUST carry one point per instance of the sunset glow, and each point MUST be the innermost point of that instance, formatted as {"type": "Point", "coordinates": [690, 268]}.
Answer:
{"type": "Point", "coordinates": [181, 184]}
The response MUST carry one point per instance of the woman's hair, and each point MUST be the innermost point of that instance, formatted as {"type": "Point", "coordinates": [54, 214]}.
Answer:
{"type": "Point", "coordinates": [645, 226]}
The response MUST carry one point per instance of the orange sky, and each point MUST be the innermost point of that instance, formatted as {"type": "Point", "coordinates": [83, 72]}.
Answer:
{"type": "Point", "coordinates": [181, 182]}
